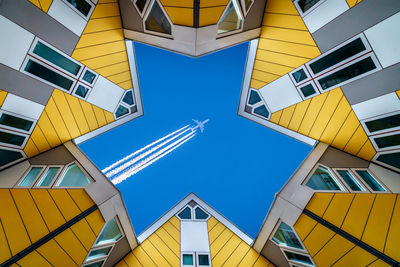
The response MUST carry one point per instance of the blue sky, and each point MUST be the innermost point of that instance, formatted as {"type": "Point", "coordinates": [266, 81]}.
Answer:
{"type": "Point", "coordinates": [236, 165]}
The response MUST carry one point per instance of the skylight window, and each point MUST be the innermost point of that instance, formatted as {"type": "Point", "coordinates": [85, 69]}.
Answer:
{"type": "Point", "coordinates": [193, 212]}
{"type": "Point", "coordinates": [322, 179]}
{"type": "Point", "coordinates": [185, 214]}
{"type": "Point", "coordinates": [157, 20]}
{"type": "Point", "coordinates": [110, 233]}
{"type": "Point", "coordinates": [74, 177]}
{"type": "Point", "coordinates": [285, 236]}
{"type": "Point", "coordinates": [231, 19]}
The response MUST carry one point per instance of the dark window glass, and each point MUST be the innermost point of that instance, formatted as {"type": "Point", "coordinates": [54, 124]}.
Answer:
{"type": "Point", "coordinates": [383, 123]}
{"type": "Point", "coordinates": [187, 259]}
{"type": "Point", "coordinates": [392, 159]}
{"type": "Point", "coordinates": [185, 214]}
{"type": "Point", "coordinates": [56, 58]}
{"type": "Point", "coordinates": [230, 20]}
{"type": "Point", "coordinates": [48, 75]}
{"type": "Point", "coordinates": [81, 91]}
{"type": "Point", "coordinates": [337, 56]}
{"type": "Point", "coordinates": [157, 21]}
{"type": "Point", "coordinates": [89, 77]}
{"type": "Point", "coordinates": [307, 90]}
{"type": "Point", "coordinates": [141, 4]}
{"type": "Point", "coordinates": [247, 3]}
{"type": "Point", "coordinates": [128, 98]}
{"type": "Point", "coordinates": [299, 75]}
{"type": "Point", "coordinates": [298, 257]}
{"type": "Point", "coordinates": [370, 181]}
{"type": "Point", "coordinates": [350, 180]}
{"type": "Point", "coordinates": [254, 98]}
{"type": "Point", "coordinates": [203, 260]}
{"type": "Point", "coordinates": [200, 214]}
{"type": "Point", "coordinates": [12, 139]}
{"type": "Point", "coordinates": [347, 73]}
{"type": "Point", "coordinates": [15, 122]}
{"type": "Point", "coordinates": [95, 264]}
{"type": "Point", "coordinates": [8, 156]}
{"type": "Point", "coordinates": [307, 4]}
{"type": "Point", "coordinates": [322, 180]}
{"type": "Point", "coordinates": [262, 111]}
{"type": "Point", "coordinates": [121, 110]}
{"type": "Point", "coordinates": [286, 236]}
{"type": "Point", "coordinates": [388, 141]}
{"type": "Point", "coordinates": [81, 5]}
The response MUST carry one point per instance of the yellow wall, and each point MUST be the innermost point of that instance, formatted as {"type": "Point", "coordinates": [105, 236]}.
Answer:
{"type": "Point", "coordinates": [42, 4]}
{"type": "Point", "coordinates": [285, 43]}
{"type": "Point", "coordinates": [372, 218]}
{"type": "Point", "coordinates": [29, 214]}
{"type": "Point", "coordinates": [3, 95]}
{"type": "Point", "coordinates": [211, 11]}
{"type": "Point", "coordinates": [352, 3]}
{"type": "Point", "coordinates": [179, 11]}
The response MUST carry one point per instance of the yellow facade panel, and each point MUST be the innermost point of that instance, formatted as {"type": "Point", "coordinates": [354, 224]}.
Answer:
{"type": "Point", "coordinates": [98, 38]}
{"type": "Point", "coordinates": [164, 250]}
{"type": "Point", "coordinates": [120, 77]}
{"type": "Point", "coordinates": [177, 3]}
{"type": "Point", "coordinates": [53, 253]}
{"type": "Point", "coordinates": [70, 244]}
{"type": "Point", "coordinates": [211, 223]}
{"type": "Point", "coordinates": [271, 67]}
{"type": "Point", "coordinates": [30, 148]}
{"type": "Point", "coordinates": [336, 248]}
{"type": "Point", "coordinates": [249, 259]}
{"type": "Point", "coordinates": [113, 69]}
{"type": "Point", "coordinates": [210, 16]}
{"type": "Point", "coordinates": [226, 251]}
{"type": "Point", "coordinates": [105, 10]}
{"type": "Point", "coordinates": [392, 248]}
{"type": "Point", "coordinates": [378, 221]}
{"type": "Point", "coordinates": [261, 262]}
{"type": "Point", "coordinates": [288, 35]}
{"type": "Point", "coordinates": [95, 221]}
{"type": "Point", "coordinates": [131, 261]}
{"type": "Point", "coordinates": [208, 3]}
{"type": "Point", "coordinates": [237, 255]}
{"type": "Point", "coordinates": [379, 263]}
{"type": "Point", "coordinates": [287, 116]}
{"type": "Point", "coordinates": [215, 232]}
{"type": "Point", "coordinates": [319, 202]}
{"type": "Point", "coordinates": [304, 225]}
{"type": "Point", "coordinates": [122, 263]}
{"type": "Point", "coordinates": [45, 4]}
{"type": "Point", "coordinates": [84, 233]}
{"type": "Point", "coordinates": [126, 85]}
{"type": "Point", "coordinates": [169, 241]}
{"type": "Point", "coordinates": [284, 47]}
{"type": "Point", "coordinates": [281, 6]}
{"type": "Point", "coordinates": [172, 231]}
{"type": "Point", "coordinates": [109, 116]}
{"type": "Point", "coordinates": [142, 257]}
{"type": "Point", "coordinates": [36, 3]}
{"type": "Point", "coordinates": [264, 76]}
{"type": "Point", "coordinates": [106, 60]}
{"type": "Point", "coordinates": [51, 214]}
{"type": "Point", "coordinates": [398, 93]}
{"type": "Point", "coordinates": [180, 15]}
{"type": "Point", "coordinates": [77, 111]}
{"type": "Point", "coordinates": [47, 127]}
{"type": "Point", "coordinates": [284, 21]}
{"type": "Point", "coordinates": [99, 114]}
{"type": "Point", "coordinates": [66, 113]}
{"type": "Point", "coordinates": [175, 222]}
{"type": "Point", "coordinates": [346, 131]}
{"type": "Point", "coordinates": [101, 50]}
{"type": "Point", "coordinates": [356, 257]}
{"type": "Point", "coordinates": [5, 252]}
{"type": "Point", "coordinates": [220, 241]}
{"type": "Point", "coordinates": [367, 151]}
{"type": "Point", "coordinates": [33, 259]}
{"type": "Point", "coordinates": [282, 59]}
{"type": "Point", "coordinates": [30, 215]}
{"type": "Point", "coordinates": [81, 198]}
{"type": "Point", "coordinates": [337, 209]}
{"type": "Point", "coordinates": [312, 112]}
{"type": "Point", "coordinates": [65, 203]}
{"type": "Point", "coordinates": [276, 116]}
{"type": "Point", "coordinates": [298, 115]}
{"type": "Point", "coordinates": [13, 226]}
{"type": "Point", "coordinates": [357, 141]}
{"type": "Point", "coordinates": [3, 95]}
{"type": "Point", "coordinates": [103, 24]}
{"type": "Point", "coordinates": [317, 239]}
{"type": "Point", "coordinates": [89, 115]}
{"type": "Point", "coordinates": [39, 139]}
{"type": "Point", "coordinates": [154, 254]}
{"type": "Point", "coordinates": [57, 121]}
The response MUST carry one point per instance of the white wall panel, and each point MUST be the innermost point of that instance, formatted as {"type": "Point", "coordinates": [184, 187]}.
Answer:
{"type": "Point", "coordinates": [384, 38]}
{"type": "Point", "coordinates": [324, 13]}
{"type": "Point", "coordinates": [66, 16]}
{"type": "Point", "coordinates": [22, 106]}
{"type": "Point", "coordinates": [194, 236]}
{"type": "Point", "coordinates": [280, 94]}
{"type": "Point", "coordinates": [14, 44]}
{"type": "Point", "coordinates": [105, 94]}
{"type": "Point", "coordinates": [377, 106]}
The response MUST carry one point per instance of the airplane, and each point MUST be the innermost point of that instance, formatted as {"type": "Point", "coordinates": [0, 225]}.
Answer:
{"type": "Point", "coordinates": [200, 124]}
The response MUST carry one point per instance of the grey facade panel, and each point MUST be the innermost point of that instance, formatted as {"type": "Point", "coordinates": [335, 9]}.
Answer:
{"type": "Point", "coordinates": [24, 86]}
{"type": "Point", "coordinates": [335, 158]}
{"type": "Point", "coordinates": [274, 254]}
{"type": "Point", "coordinates": [56, 156]}
{"type": "Point", "coordinates": [377, 84]}
{"type": "Point", "coordinates": [34, 20]}
{"type": "Point", "coordinates": [131, 19]}
{"type": "Point", "coordinates": [120, 250]}
{"type": "Point", "coordinates": [254, 18]}
{"type": "Point", "coordinates": [354, 21]}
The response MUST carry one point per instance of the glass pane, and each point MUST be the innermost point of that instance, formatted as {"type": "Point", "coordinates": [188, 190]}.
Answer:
{"type": "Point", "coordinates": [254, 98]}
{"type": "Point", "coordinates": [383, 123]}
{"type": "Point", "coordinates": [15, 122]}
{"type": "Point", "coordinates": [95, 264]}
{"type": "Point", "coordinates": [94, 254]}
{"type": "Point", "coordinates": [286, 236]}
{"type": "Point", "coordinates": [307, 90]}
{"type": "Point", "coordinates": [230, 20]}
{"type": "Point", "coordinates": [262, 111]}
{"type": "Point", "coordinates": [299, 75]}
{"type": "Point", "coordinates": [200, 214]}
{"type": "Point", "coordinates": [81, 91]}
{"type": "Point", "coordinates": [56, 58]}
{"type": "Point", "coordinates": [121, 110]}
{"type": "Point", "coordinates": [81, 5]}
{"type": "Point", "coordinates": [307, 4]}
{"type": "Point", "coordinates": [8, 156]}
{"type": "Point", "coordinates": [185, 214]}
{"type": "Point", "coordinates": [350, 180]}
{"type": "Point", "coordinates": [322, 179]}
{"type": "Point", "coordinates": [141, 4]}
{"type": "Point", "coordinates": [30, 176]}
{"type": "Point", "coordinates": [187, 259]}
{"type": "Point", "coordinates": [74, 176]}
{"type": "Point", "coordinates": [110, 233]}
{"type": "Point", "coordinates": [370, 181]}
{"type": "Point", "coordinates": [247, 4]}
{"type": "Point", "coordinates": [12, 139]}
{"type": "Point", "coordinates": [388, 141]}
{"type": "Point", "coordinates": [48, 177]}
{"type": "Point", "coordinates": [203, 260]}
{"type": "Point", "coordinates": [347, 73]}
{"type": "Point", "coordinates": [392, 159]}
{"type": "Point", "coordinates": [89, 76]}
{"type": "Point", "coordinates": [298, 257]}
{"type": "Point", "coordinates": [157, 21]}
{"type": "Point", "coordinates": [337, 56]}
{"type": "Point", "coordinates": [48, 75]}
{"type": "Point", "coordinates": [128, 98]}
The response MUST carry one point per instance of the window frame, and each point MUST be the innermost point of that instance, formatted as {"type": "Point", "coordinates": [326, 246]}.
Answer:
{"type": "Point", "coordinates": [203, 253]}
{"type": "Point", "coordinates": [146, 15]}
{"type": "Point", "coordinates": [387, 191]}
{"type": "Point", "coordinates": [122, 103]}
{"type": "Point", "coordinates": [315, 86]}
{"type": "Point", "coordinates": [73, 92]}
{"type": "Point", "coordinates": [276, 227]}
{"type": "Point", "coordinates": [194, 258]}
{"type": "Point", "coordinates": [243, 5]}
{"type": "Point", "coordinates": [113, 242]}
{"type": "Point", "coordinates": [85, 261]}
{"type": "Point", "coordinates": [258, 104]}
{"type": "Point", "coordinates": [366, 189]}
{"type": "Point", "coordinates": [2, 111]}
{"type": "Point", "coordinates": [306, 71]}
{"type": "Point", "coordinates": [194, 214]}
{"type": "Point", "coordinates": [303, 14]}
{"type": "Point", "coordinates": [336, 179]}
{"type": "Point", "coordinates": [40, 177]}
{"type": "Point", "coordinates": [374, 144]}
{"type": "Point", "coordinates": [87, 17]}
{"type": "Point", "coordinates": [379, 153]}
{"type": "Point", "coordinates": [141, 14]}
{"type": "Point", "coordinates": [236, 5]}
{"type": "Point", "coordinates": [15, 161]}
{"type": "Point", "coordinates": [84, 264]}
{"type": "Point", "coordinates": [363, 123]}
{"type": "Point", "coordinates": [191, 213]}
{"type": "Point", "coordinates": [26, 136]}
{"type": "Point", "coordinates": [298, 263]}
{"type": "Point", "coordinates": [64, 169]}
{"type": "Point", "coordinates": [26, 172]}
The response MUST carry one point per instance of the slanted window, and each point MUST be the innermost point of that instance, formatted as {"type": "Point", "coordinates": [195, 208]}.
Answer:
{"type": "Point", "coordinates": [285, 236]}
{"type": "Point", "coordinates": [89, 76]}
{"type": "Point", "coordinates": [128, 98]}
{"type": "Point", "coordinates": [11, 121]}
{"type": "Point", "coordinates": [300, 258]}
{"type": "Point", "coordinates": [12, 138]}
{"type": "Point", "coordinates": [94, 264]}
{"type": "Point", "coordinates": [299, 75]}
{"type": "Point", "coordinates": [308, 90]}
{"type": "Point", "coordinates": [48, 177]}
{"type": "Point", "coordinates": [262, 111]}
{"type": "Point", "coordinates": [187, 259]}
{"type": "Point", "coordinates": [98, 253]}
{"type": "Point", "coordinates": [185, 214]}
{"type": "Point", "coordinates": [81, 91]}
{"type": "Point", "coordinates": [391, 159]}
{"type": "Point", "coordinates": [127, 105]}
{"type": "Point", "coordinates": [73, 177]}
{"type": "Point", "coordinates": [157, 20]}
{"type": "Point", "coordinates": [322, 179]}
{"type": "Point", "coordinates": [83, 7]}
{"type": "Point", "coordinates": [140, 4]}
{"type": "Point", "coordinates": [121, 111]}
{"type": "Point", "coordinates": [231, 19]}
{"type": "Point", "coordinates": [203, 259]}
{"type": "Point", "coordinates": [110, 233]}
{"type": "Point", "coordinates": [385, 123]}
{"type": "Point", "coordinates": [350, 180]}
{"type": "Point", "coordinates": [304, 6]}
{"type": "Point", "coordinates": [200, 214]}
{"type": "Point", "coordinates": [390, 140]}
{"type": "Point", "coordinates": [246, 4]}
{"type": "Point", "coordinates": [7, 156]}
{"type": "Point", "coordinates": [370, 180]}
{"type": "Point", "coordinates": [254, 98]}
{"type": "Point", "coordinates": [30, 177]}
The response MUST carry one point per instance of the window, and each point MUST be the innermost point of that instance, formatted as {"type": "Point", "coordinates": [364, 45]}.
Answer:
{"type": "Point", "coordinates": [48, 177]}
{"type": "Point", "coordinates": [127, 105]}
{"type": "Point", "coordinates": [285, 236]}
{"type": "Point", "coordinates": [391, 159]}
{"type": "Point", "coordinates": [350, 180]}
{"type": "Point", "coordinates": [14, 122]}
{"type": "Point", "coordinates": [308, 90]}
{"type": "Point", "coordinates": [30, 177]}
{"type": "Point", "coordinates": [299, 75]}
{"type": "Point", "coordinates": [128, 98]}
{"type": "Point", "coordinates": [73, 177]}
{"type": "Point", "coordinates": [306, 6]}
{"type": "Point", "coordinates": [83, 7]}
{"type": "Point", "coordinates": [140, 5]}
{"type": "Point", "coordinates": [193, 212]}
{"type": "Point", "coordinates": [387, 141]}
{"type": "Point", "coordinates": [187, 259]}
{"type": "Point", "coordinates": [254, 97]}
{"type": "Point", "coordinates": [203, 259]}
{"type": "Point", "coordinates": [81, 91]}
{"type": "Point", "coordinates": [185, 214]}
{"type": "Point", "coordinates": [262, 111]}
{"type": "Point", "coordinates": [246, 4]}
{"type": "Point", "coordinates": [89, 76]}
{"type": "Point", "coordinates": [300, 258]}
{"type": "Point", "coordinates": [94, 264]}
{"type": "Point", "coordinates": [231, 20]}
{"type": "Point", "coordinates": [9, 156]}
{"type": "Point", "coordinates": [110, 233]}
{"type": "Point", "coordinates": [157, 20]}
{"type": "Point", "coordinates": [12, 138]}
{"type": "Point", "coordinates": [98, 253]}
{"type": "Point", "coordinates": [322, 179]}
{"type": "Point", "coordinates": [371, 181]}
{"type": "Point", "coordinates": [200, 214]}
{"type": "Point", "coordinates": [391, 122]}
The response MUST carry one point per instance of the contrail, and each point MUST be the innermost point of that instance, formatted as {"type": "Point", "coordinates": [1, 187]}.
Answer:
{"type": "Point", "coordinates": [153, 158]}
{"type": "Point", "coordinates": [142, 149]}
{"type": "Point", "coordinates": [145, 154]}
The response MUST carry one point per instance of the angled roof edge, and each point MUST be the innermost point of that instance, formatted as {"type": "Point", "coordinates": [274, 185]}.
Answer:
{"type": "Point", "coordinates": [168, 215]}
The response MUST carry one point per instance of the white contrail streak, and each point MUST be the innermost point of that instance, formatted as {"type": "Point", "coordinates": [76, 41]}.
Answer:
{"type": "Point", "coordinates": [141, 150]}
{"type": "Point", "coordinates": [143, 155]}
{"type": "Point", "coordinates": [153, 158]}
